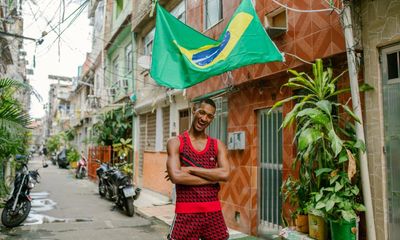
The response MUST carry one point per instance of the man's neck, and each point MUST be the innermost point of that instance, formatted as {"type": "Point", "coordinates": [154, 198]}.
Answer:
{"type": "Point", "coordinates": [196, 134]}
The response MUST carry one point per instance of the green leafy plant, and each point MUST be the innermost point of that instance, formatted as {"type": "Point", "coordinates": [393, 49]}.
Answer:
{"type": "Point", "coordinates": [112, 126]}
{"type": "Point", "coordinates": [323, 143]}
{"type": "Point", "coordinates": [53, 143]}
{"type": "Point", "coordinates": [123, 147]}
{"type": "Point", "coordinates": [73, 155]}
{"type": "Point", "coordinates": [297, 191]}
{"type": "Point", "coordinates": [14, 121]}
{"type": "Point", "coordinates": [339, 200]}
{"type": "Point", "coordinates": [127, 168]}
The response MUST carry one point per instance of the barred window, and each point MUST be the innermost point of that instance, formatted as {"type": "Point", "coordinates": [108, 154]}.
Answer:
{"type": "Point", "coordinates": [219, 126]}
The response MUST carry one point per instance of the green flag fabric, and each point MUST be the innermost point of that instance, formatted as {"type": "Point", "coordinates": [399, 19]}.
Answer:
{"type": "Point", "coordinates": [183, 57]}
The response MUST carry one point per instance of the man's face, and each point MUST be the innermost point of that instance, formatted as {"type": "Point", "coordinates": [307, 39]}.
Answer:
{"type": "Point", "coordinates": [203, 116]}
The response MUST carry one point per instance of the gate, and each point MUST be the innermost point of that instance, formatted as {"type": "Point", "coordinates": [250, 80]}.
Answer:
{"type": "Point", "coordinates": [101, 153]}
{"type": "Point", "coordinates": [270, 170]}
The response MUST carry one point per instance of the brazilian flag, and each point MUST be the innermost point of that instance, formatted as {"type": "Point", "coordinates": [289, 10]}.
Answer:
{"type": "Point", "coordinates": [183, 57]}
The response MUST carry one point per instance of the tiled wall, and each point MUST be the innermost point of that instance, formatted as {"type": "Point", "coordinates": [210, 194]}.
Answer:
{"type": "Point", "coordinates": [240, 193]}
{"type": "Point", "coordinates": [309, 36]}
{"type": "Point", "coordinates": [381, 27]}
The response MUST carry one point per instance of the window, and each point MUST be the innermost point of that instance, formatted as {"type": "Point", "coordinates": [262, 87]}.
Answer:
{"type": "Point", "coordinates": [115, 72]}
{"type": "Point", "coordinates": [184, 120]}
{"type": "Point", "coordinates": [165, 123]}
{"type": "Point", "coordinates": [148, 43]}
{"type": "Point", "coordinates": [151, 132]}
{"type": "Point", "coordinates": [180, 11]}
{"type": "Point", "coordinates": [219, 126]}
{"type": "Point", "coordinates": [393, 66]}
{"type": "Point", "coordinates": [128, 59]}
{"type": "Point", "coordinates": [212, 12]}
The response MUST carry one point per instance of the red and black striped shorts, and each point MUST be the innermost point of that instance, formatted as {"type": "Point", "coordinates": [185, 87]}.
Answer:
{"type": "Point", "coordinates": [195, 226]}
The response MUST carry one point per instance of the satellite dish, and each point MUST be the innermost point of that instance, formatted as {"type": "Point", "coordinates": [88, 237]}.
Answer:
{"type": "Point", "coordinates": [144, 61]}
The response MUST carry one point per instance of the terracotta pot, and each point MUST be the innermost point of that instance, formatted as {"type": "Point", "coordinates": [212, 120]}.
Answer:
{"type": "Point", "coordinates": [301, 222]}
{"type": "Point", "coordinates": [317, 227]}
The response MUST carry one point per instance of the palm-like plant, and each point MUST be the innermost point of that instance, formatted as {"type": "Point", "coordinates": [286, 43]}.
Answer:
{"type": "Point", "coordinates": [13, 119]}
{"type": "Point", "coordinates": [322, 145]}
{"type": "Point", "coordinates": [12, 116]}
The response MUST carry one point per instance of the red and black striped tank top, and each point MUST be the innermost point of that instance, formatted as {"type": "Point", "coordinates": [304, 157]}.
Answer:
{"type": "Point", "coordinates": [203, 198]}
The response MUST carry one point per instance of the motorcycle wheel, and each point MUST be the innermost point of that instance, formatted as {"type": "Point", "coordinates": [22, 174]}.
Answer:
{"type": "Point", "coordinates": [102, 189]}
{"type": "Point", "coordinates": [79, 173]}
{"type": "Point", "coordinates": [10, 218]}
{"type": "Point", "coordinates": [130, 210]}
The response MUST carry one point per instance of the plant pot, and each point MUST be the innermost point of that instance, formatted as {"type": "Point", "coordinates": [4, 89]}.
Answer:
{"type": "Point", "coordinates": [317, 227]}
{"type": "Point", "coordinates": [73, 164]}
{"type": "Point", "coordinates": [343, 230]}
{"type": "Point", "coordinates": [301, 222]}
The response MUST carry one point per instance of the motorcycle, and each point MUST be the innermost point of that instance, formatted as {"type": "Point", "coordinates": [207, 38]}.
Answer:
{"type": "Point", "coordinates": [81, 168]}
{"type": "Point", "coordinates": [116, 186]}
{"type": "Point", "coordinates": [53, 158]}
{"type": "Point", "coordinates": [18, 205]}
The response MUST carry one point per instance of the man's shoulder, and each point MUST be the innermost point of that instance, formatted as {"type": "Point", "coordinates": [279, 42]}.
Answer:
{"type": "Point", "coordinates": [173, 140]}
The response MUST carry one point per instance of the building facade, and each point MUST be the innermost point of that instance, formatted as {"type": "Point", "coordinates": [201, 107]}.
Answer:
{"type": "Point", "coordinates": [380, 35]}
{"type": "Point", "coordinates": [251, 200]}
{"type": "Point", "coordinates": [119, 66]}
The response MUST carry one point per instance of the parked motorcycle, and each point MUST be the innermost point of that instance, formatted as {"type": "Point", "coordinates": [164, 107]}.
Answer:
{"type": "Point", "coordinates": [81, 169]}
{"type": "Point", "coordinates": [18, 205]}
{"type": "Point", "coordinates": [116, 186]}
{"type": "Point", "coordinates": [53, 158]}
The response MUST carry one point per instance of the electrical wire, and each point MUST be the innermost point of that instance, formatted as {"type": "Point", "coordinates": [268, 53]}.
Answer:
{"type": "Point", "coordinates": [61, 32]}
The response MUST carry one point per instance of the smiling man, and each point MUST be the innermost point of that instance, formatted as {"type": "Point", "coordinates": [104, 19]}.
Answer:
{"type": "Point", "coordinates": [196, 164]}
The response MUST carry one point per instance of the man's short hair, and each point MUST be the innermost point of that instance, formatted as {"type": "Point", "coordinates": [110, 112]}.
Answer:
{"type": "Point", "coordinates": [208, 101]}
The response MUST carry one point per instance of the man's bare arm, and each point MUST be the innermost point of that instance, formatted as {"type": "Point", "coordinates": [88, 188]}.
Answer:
{"type": "Point", "coordinates": [219, 174]}
{"type": "Point", "coordinates": [176, 173]}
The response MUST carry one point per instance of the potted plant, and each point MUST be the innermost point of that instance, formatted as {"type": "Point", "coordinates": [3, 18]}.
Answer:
{"type": "Point", "coordinates": [340, 199]}
{"type": "Point", "coordinates": [297, 192]}
{"type": "Point", "coordinates": [340, 203]}
{"type": "Point", "coordinates": [73, 156]}
{"type": "Point", "coordinates": [319, 120]}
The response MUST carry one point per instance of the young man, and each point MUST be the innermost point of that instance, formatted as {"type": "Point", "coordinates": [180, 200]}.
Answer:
{"type": "Point", "coordinates": [196, 163]}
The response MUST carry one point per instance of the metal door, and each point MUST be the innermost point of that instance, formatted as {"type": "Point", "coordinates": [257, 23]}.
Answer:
{"type": "Point", "coordinates": [391, 106]}
{"type": "Point", "coordinates": [270, 170]}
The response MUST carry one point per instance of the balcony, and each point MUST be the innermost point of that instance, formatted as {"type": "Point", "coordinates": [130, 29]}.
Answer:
{"type": "Point", "coordinates": [141, 13]}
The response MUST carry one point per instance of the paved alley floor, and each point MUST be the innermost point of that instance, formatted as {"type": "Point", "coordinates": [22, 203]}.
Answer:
{"type": "Point", "coordinates": [67, 208]}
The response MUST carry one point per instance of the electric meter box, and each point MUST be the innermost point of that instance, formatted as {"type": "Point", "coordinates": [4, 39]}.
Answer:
{"type": "Point", "coordinates": [236, 140]}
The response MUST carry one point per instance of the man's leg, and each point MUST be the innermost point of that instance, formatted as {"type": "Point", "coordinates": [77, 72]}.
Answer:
{"type": "Point", "coordinates": [214, 227]}
{"type": "Point", "coordinates": [186, 226]}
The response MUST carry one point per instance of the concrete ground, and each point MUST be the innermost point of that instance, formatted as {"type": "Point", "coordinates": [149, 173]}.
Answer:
{"type": "Point", "coordinates": [65, 208]}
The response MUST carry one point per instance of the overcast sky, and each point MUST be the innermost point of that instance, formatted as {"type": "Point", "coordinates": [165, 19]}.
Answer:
{"type": "Point", "coordinates": [51, 59]}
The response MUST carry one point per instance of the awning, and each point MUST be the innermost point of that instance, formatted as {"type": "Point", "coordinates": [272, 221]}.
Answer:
{"type": "Point", "coordinates": [211, 94]}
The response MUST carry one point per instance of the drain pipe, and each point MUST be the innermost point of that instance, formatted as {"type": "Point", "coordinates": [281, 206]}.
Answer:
{"type": "Point", "coordinates": [134, 63]}
{"type": "Point", "coordinates": [355, 96]}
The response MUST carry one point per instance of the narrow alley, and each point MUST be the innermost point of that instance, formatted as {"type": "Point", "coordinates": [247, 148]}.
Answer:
{"type": "Point", "coordinates": [66, 208]}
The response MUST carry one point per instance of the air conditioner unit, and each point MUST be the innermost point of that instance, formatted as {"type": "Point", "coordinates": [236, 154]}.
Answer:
{"type": "Point", "coordinates": [276, 22]}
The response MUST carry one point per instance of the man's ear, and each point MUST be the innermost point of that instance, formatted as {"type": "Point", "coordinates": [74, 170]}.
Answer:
{"type": "Point", "coordinates": [195, 107]}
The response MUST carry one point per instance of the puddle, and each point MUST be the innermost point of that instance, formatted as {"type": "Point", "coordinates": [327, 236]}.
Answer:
{"type": "Point", "coordinates": [40, 203]}
{"type": "Point", "coordinates": [39, 195]}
